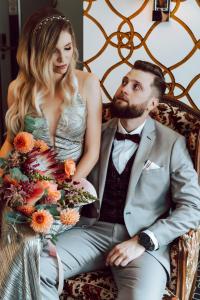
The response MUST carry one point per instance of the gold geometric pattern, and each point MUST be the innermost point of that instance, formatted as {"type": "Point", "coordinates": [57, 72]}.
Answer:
{"type": "Point", "coordinates": [124, 40]}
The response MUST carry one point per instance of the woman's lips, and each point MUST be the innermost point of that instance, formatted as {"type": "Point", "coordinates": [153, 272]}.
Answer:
{"type": "Point", "coordinates": [61, 67]}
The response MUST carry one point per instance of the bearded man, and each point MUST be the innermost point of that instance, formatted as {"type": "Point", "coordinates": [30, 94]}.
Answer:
{"type": "Point", "coordinates": [148, 196]}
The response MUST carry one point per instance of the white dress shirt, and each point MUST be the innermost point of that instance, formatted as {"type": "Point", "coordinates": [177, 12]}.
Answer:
{"type": "Point", "coordinates": [122, 152]}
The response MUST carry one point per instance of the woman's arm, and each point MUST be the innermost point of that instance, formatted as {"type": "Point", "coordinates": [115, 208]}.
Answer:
{"type": "Point", "coordinates": [7, 146]}
{"type": "Point", "coordinates": [90, 156]}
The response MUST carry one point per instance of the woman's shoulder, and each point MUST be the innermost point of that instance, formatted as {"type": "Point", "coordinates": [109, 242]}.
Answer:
{"type": "Point", "coordinates": [85, 77]}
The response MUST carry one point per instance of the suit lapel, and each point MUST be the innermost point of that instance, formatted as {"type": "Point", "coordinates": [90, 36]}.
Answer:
{"type": "Point", "coordinates": [106, 146]}
{"type": "Point", "coordinates": [142, 155]}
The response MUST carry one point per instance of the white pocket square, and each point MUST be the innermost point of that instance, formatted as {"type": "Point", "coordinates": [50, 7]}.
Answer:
{"type": "Point", "coordinates": [149, 165]}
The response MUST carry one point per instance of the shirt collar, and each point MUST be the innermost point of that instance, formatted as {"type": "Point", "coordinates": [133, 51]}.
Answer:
{"type": "Point", "coordinates": [138, 130]}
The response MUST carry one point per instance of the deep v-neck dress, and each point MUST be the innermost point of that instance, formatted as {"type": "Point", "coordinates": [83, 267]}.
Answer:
{"type": "Point", "coordinates": [70, 131]}
{"type": "Point", "coordinates": [19, 260]}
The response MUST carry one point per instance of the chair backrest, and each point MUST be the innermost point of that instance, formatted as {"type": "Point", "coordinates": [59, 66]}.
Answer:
{"type": "Point", "coordinates": [179, 117]}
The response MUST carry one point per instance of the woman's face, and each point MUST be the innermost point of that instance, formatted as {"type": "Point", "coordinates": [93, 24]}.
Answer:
{"type": "Point", "coordinates": [63, 53]}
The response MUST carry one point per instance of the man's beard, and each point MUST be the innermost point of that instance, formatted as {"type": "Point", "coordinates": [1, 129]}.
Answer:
{"type": "Point", "coordinates": [127, 111]}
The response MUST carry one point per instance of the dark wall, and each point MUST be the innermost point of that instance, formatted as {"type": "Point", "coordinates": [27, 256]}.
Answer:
{"type": "Point", "coordinates": [72, 9]}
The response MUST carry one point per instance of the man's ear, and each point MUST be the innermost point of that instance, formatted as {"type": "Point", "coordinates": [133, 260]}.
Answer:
{"type": "Point", "coordinates": [153, 103]}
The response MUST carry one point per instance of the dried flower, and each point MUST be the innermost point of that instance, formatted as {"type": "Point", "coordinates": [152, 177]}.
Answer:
{"type": "Point", "coordinates": [70, 167]}
{"type": "Point", "coordinates": [42, 221]}
{"type": "Point", "coordinates": [8, 179]}
{"type": "Point", "coordinates": [27, 210]}
{"type": "Point", "coordinates": [24, 142]}
{"type": "Point", "coordinates": [69, 216]}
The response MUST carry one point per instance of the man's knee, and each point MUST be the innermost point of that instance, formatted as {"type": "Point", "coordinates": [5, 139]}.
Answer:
{"type": "Point", "coordinates": [144, 278]}
{"type": "Point", "coordinates": [140, 294]}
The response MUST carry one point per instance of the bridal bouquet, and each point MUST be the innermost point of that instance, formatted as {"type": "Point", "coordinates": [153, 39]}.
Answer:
{"type": "Point", "coordinates": [38, 190]}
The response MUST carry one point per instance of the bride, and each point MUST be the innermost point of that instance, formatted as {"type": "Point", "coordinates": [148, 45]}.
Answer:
{"type": "Point", "coordinates": [59, 104]}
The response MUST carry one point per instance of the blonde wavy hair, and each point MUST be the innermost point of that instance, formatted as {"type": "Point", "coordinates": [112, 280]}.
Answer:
{"type": "Point", "coordinates": [35, 77]}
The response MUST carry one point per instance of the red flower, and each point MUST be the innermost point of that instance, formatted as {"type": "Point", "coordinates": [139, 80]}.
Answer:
{"type": "Point", "coordinates": [35, 194]}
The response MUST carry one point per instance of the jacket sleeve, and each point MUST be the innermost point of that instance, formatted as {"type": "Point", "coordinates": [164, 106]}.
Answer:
{"type": "Point", "coordinates": [185, 193]}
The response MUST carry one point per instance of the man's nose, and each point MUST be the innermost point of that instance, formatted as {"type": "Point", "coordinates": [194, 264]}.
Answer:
{"type": "Point", "coordinates": [126, 89]}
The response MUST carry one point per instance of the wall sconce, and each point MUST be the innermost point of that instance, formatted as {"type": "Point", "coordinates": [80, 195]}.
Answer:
{"type": "Point", "coordinates": [161, 10]}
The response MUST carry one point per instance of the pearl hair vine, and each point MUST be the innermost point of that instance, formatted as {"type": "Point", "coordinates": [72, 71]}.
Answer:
{"type": "Point", "coordinates": [49, 19]}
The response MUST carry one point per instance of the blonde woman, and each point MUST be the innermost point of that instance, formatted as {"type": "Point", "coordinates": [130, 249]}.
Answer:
{"type": "Point", "coordinates": [52, 99]}
{"type": "Point", "coordinates": [59, 104]}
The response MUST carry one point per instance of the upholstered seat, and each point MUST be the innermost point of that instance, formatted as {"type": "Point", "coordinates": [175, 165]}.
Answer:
{"type": "Point", "coordinates": [185, 250]}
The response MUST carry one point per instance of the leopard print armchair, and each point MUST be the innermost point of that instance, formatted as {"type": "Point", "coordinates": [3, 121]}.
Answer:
{"type": "Point", "coordinates": [184, 250]}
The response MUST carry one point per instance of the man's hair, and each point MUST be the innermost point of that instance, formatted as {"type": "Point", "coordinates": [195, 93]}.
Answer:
{"type": "Point", "coordinates": [159, 80]}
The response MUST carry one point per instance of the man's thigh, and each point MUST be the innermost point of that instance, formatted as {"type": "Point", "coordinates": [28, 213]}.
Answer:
{"type": "Point", "coordinates": [144, 278]}
{"type": "Point", "coordinates": [80, 250]}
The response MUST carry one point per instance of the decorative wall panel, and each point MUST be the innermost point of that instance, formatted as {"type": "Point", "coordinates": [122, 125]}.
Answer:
{"type": "Point", "coordinates": [118, 32]}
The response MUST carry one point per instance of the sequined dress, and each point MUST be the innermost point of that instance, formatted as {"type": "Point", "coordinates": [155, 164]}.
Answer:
{"type": "Point", "coordinates": [19, 260]}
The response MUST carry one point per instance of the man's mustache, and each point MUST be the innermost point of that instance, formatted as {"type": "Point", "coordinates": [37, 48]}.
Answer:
{"type": "Point", "coordinates": [120, 97]}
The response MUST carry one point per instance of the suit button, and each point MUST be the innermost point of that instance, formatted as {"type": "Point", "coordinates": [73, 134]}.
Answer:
{"type": "Point", "coordinates": [128, 213]}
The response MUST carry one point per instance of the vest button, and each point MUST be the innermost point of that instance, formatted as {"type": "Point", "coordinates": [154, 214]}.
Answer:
{"type": "Point", "coordinates": [128, 213]}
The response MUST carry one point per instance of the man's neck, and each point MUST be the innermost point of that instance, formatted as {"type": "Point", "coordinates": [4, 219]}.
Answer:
{"type": "Point", "coordinates": [131, 124]}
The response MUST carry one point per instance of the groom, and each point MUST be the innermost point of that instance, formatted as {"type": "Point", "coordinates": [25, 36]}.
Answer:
{"type": "Point", "coordinates": [148, 196]}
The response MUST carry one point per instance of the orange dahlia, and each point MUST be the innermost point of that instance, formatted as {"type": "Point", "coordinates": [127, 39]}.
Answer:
{"type": "Point", "coordinates": [42, 221]}
{"type": "Point", "coordinates": [24, 142]}
{"type": "Point", "coordinates": [27, 210]}
{"type": "Point", "coordinates": [53, 196]}
{"type": "Point", "coordinates": [70, 167]}
{"type": "Point", "coordinates": [69, 216]}
{"type": "Point", "coordinates": [41, 145]}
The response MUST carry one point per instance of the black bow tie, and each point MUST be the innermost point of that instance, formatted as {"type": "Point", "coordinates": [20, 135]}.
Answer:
{"type": "Point", "coordinates": [132, 137]}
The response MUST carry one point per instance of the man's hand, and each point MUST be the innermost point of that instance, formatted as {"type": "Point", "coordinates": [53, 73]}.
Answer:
{"type": "Point", "coordinates": [124, 253]}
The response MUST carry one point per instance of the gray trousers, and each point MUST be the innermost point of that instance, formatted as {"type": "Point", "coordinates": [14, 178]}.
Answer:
{"type": "Point", "coordinates": [85, 249]}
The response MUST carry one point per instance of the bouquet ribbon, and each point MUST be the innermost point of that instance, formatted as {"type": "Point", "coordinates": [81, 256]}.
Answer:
{"type": "Point", "coordinates": [53, 252]}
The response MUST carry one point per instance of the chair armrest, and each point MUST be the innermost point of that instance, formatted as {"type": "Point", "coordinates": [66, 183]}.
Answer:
{"type": "Point", "coordinates": [184, 259]}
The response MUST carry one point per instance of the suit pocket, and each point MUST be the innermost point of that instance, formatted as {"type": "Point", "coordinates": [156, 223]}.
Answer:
{"type": "Point", "coordinates": [153, 171]}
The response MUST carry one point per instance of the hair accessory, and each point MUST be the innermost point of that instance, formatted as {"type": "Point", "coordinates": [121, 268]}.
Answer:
{"type": "Point", "coordinates": [49, 19]}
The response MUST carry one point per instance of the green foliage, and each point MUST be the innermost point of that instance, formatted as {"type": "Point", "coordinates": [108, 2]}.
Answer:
{"type": "Point", "coordinates": [14, 217]}
{"type": "Point", "coordinates": [2, 162]}
{"type": "Point", "coordinates": [18, 175]}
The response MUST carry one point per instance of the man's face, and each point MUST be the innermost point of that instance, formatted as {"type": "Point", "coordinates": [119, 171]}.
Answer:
{"type": "Point", "coordinates": [135, 96]}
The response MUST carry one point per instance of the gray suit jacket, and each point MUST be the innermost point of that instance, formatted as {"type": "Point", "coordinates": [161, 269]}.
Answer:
{"type": "Point", "coordinates": [165, 200]}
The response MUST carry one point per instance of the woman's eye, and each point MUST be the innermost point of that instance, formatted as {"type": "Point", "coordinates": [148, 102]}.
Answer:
{"type": "Point", "coordinates": [68, 48]}
{"type": "Point", "coordinates": [124, 82]}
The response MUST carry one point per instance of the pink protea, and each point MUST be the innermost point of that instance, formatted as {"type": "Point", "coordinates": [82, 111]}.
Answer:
{"type": "Point", "coordinates": [42, 221]}
{"type": "Point", "coordinates": [44, 163]}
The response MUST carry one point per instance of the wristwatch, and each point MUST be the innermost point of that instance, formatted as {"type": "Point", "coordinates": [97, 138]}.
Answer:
{"type": "Point", "coordinates": [145, 240]}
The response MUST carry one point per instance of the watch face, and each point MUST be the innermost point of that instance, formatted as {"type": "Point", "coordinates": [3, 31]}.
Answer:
{"type": "Point", "coordinates": [146, 241]}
